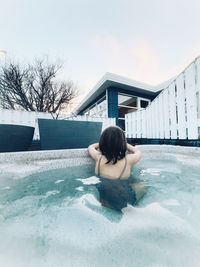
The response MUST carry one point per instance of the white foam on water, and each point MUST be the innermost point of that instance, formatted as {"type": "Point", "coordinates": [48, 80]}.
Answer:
{"type": "Point", "coordinates": [90, 181]}
{"type": "Point", "coordinates": [79, 188]}
{"type": "Point", "coordinates": [50, 193]}
{"type": "Point", "coordinates": [17, 171]}
{"type": "Point", "coordinates": [171, 202]}
{"type": "Point", "coordinates": [6, 188]}
{"type": "Point", "coordinates": [187, 159]}
{"type": "Point", "coordinates": [59, 181]}
{"type": "Point", "coordinates": [189, 211]}
{"type": "Point", "coordinates": [80, 232]}
{"type": "Point", "coordinates": [151, 171]}
{"type": "Point", "coordinates": [81, 236]}
{"type": "Point", "coordinates": [88, 198]}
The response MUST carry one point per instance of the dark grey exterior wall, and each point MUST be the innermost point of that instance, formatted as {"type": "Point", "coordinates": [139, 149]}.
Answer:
{"type": "Point", "coordinates": [66, 134]}
{"type": "Point", "coordinates": [15, 138]}
{"type": "Point", "coordinates": [112, 102]}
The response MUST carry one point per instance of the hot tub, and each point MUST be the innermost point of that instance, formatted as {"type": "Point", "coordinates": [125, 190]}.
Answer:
{"type": "Point", "coordinates": [50, 214]}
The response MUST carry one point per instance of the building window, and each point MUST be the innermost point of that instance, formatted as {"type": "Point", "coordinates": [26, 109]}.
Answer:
{"type": "Point", "coordinates": [128, 104]}
{"type": "Point", "coordinates": [122, 111]}
{"type": "Point", "coordinates": [99, 109]}
{"type": "Point", "coordinates": [127, 100]}
{"type": "Point", "coordinates": [144, 103]}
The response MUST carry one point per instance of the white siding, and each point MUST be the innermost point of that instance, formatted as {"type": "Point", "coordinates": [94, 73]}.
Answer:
{"type": "Point", "coordinates": [161, 116]}
{"type": "Point", "coordinates": [173, 114]}
{"type": "Point", "coordinates": [148, 123]}
{"type": "Point", "coordinates": [156, 119]}
{"type": "Point", "coordinates": [166, 114]}
{"type": "Point", "coordinates": [134, 125]}
{"type": "Point", "coordinates": [144, 135]}
{"type": "Point", "coordinates": [153, 121]}
{"type": "Point", "coordinates": [172, 111]}
{"type": "Point", "coordinates": [191, 102]}
{"type": "Point", "coordinates": [181, 106]}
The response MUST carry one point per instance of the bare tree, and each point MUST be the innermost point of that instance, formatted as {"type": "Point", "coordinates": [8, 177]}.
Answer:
{"type": "Point", "coordinates": [35, 87]}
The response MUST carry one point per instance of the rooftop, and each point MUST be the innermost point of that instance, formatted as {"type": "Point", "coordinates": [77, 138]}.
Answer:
{"type": "Point", "coordinates": [111, 79]}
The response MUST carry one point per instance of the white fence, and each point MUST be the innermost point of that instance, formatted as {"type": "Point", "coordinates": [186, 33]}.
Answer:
{"type": "Point", "coordinates": [174, 113]}
{"type": "Point", "coordinates": [29, 118]}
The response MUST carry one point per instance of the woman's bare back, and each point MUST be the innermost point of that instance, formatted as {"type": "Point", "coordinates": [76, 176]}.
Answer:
{"type": "Point", "coordinates": [121, 169]}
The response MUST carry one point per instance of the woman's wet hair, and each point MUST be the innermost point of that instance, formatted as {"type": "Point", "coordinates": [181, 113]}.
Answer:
{"type": "Point", "coordinates": [112, 144]}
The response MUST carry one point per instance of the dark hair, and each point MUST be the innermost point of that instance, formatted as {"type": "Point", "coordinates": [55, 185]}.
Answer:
{"type": "Point", "coordinates": [112, 144]}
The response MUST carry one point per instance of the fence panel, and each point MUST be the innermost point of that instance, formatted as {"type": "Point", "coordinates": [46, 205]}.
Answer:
{"type": "Point", "coordinates": [166, 113]}
{"type": "Point", "coordinates": [143, 112]}
{"type": "Point", "coordinates": [198, 94]}
{"type": "Point", "coordinates": [156, 118]}
{"type": "Point", "coordinates": [181, 107]}
{"type": "Point", "coordinates": [152, 121]}
{"type": "Point", "coordinates": [191, 102]}
{"type": "Point", "coordinates": [172, 111]}
{"type": "Point", "coordinates": [134, 124]}
{"type": "Point", "coordinates": [127, 125]}
{"type": "Point", "coordinates": [148, 112]}
{"type": "Point", "coordinates": [138, 114]}
{"type": "Point", "coordinates": [161, 116]}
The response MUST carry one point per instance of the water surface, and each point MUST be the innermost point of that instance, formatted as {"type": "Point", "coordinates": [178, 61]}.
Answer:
{"type": "Point", "coordinates": [54, 218]}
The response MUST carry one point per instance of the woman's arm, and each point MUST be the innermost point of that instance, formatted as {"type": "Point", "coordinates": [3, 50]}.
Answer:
{"type": "Point", "coordinates": [134, 154]}
{"type": "Point", "coordinates": [93, 151]}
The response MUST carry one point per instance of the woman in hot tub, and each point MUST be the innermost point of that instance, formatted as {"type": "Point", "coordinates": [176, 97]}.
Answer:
{"type": "Point", "coordinates": [114, 160]}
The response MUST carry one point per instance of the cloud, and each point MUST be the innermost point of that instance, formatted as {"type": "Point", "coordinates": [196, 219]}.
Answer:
{"type": "Point", "coordinates": [137, 60]}
{"type": "Point", "coordinates": [189, 56]}
{"type": "Point", "coordinates": [146, 62]}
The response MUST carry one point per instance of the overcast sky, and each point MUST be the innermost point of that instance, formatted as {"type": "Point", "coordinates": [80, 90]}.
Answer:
{"type": "Point", "coordinates": [146, 40]}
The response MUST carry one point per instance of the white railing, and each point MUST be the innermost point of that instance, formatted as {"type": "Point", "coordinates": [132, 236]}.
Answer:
{"type": "Point", "coordinates": [174, 113]}
{"type": "Point", "coordinates": [30, 118]}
